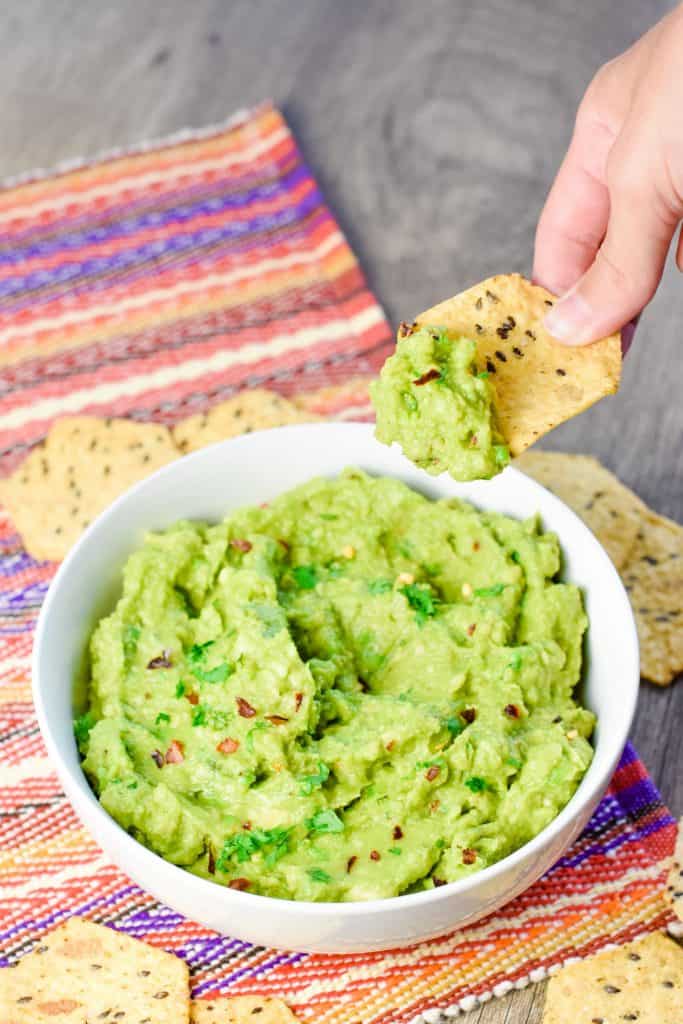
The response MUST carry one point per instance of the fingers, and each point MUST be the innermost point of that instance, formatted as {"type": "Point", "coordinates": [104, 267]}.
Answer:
{"type": "Point", "coordinates": [627, 267]}
{"type": "Point", "coordinates": [574, 219]}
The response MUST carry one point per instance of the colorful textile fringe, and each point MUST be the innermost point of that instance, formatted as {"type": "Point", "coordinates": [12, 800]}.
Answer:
{"type": "Point", "coordinates": [153, 285]}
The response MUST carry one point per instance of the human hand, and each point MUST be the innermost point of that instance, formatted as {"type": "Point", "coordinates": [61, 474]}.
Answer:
{"type": "Point", "coordinates": [617, 200]}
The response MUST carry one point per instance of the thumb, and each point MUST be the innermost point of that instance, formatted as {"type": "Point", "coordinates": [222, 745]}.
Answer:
{"type": "Point", "coordinates": [625, 272]}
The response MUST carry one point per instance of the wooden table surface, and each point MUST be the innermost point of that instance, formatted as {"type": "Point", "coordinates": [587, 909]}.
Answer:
{"type": "Point", "coordinates": [434, 128]}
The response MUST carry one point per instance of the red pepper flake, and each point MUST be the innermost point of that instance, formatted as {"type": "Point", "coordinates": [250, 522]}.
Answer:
{"type": "Point", "coordinates": [476, 545]}
{"type": "Point", "coordinates": [283, 544]}
{"type": "Point", "coordinates": [469, 714]}
{"type": "Point", "coordinates": [398, 832]}
{"type": "Point", "coordinates": [175, 753]}
{"type": "Point", "coordinates": [275, 719]}
{"type": "Point", "coordinates": [474, 441]}
{"type": "Point", "coordinates": [390, 745]}
{"type": "Point", "coordinates": [211, 862]}
{"type": "Point", "coordinates": [469, 856]}
{"type": "Point", "coordinates": [375, 855]}
{"type": "Point", "coordinates": [427, 377]}
{"type": "Point", "coordinates": [432, 773]}
{"type": "Point", "coordinates": [240, 884]}
{"type": "Point", "coordinates": [512, 711]}
{"type": "Point", "coordinates": [192, 696]}
{"type": "Point", "coordinates": [405, 329]}
{"type": "Point", "coordinates": [240, 544]}
{"type": "Point", "coordinates": [244, 708]}
{"type": "Point", "coordinates": [228, 745]}
{"type": "Point", "coordinates": [350, 862]}
{"type": "Point", "coordinates": [158, 758]}
{"type": "Point", "coordinates": [161, 661]}
{"type": "Point", "coordinates": [246, 826]}
{"type": "Point", "coordinates": [471, 628]}
{"type": "Point", "coordinates": [434, 806]}
{"type": "Point", "coordinates": [438, 881]}
{"type": "Point", "coordinates": [298, 698]}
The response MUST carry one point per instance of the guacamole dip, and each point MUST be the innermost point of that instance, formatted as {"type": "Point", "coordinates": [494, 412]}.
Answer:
{"type": "Point", "coordinates": [431, 400]}
{"type": "Point", "coordinates": [354, 692]}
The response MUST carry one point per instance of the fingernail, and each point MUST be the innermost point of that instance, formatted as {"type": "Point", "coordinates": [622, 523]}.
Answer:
{"type": "Point", "coordinates": [570, 319]}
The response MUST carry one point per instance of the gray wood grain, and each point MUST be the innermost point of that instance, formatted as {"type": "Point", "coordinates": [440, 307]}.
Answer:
{"type": "Point", "coordinates": [434, 128]}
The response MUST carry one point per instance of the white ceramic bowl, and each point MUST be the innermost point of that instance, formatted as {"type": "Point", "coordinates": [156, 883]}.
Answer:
{"type": "Point", "coordinates": [256, 468]}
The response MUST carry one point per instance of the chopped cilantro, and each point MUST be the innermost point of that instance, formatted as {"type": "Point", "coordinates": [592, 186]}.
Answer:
{"type": "Point", "coordinates": [272, 617]}
{"type": "Point", "coordinates": [475, 784]}
{"type": "Point", "coordinates": [197, 652]}
{"type": "Point", "coordinates": [180, 689]}
{"type": "Point", "coordinates": [410, 401]}
{"type": "Point", "coordinates": [131, 635]}
{"type": "Point", "coordinates": [516, 557]}
{"type": "Point", "coordinates": [243, 845]}
{"type": "Point", "coordinates": [492, 591]}
{"type": "Point", "coordinates": [419, 597]}
{"type": "Point", "coordinates": [318, 875]}
{"type": "Point", "coordinates": [325, 821]}
{"type": "Point", "coordinates": [396, 850]}
{"type": "Point", "coordinates": [513, 762]}
{"type": "Point", "coordinates": [257, 727]}
{"type": "Point", "coordinates": [483, 375]}
{"type": "Point", "coordinates": [162, 717]}
{"type": "Point", "coordinates": [199, 715]}
{"type": "Point", "coordinates": [380, 586]}
{"type": "Point", "coordinates": [454, 726]}
{"type": "Point", "coordinates": [305, 576]}
{"type": "Point", "coordinates": [218, 674]}
{"type": "Point", "coordinates": [311, 782]}
{"type": "Point", "coordinates": [441, 844]}
{"type": "Point", "coordinates": [501, 454]}
{"type": "Point", "coordinates": [82, 726]}
{"type": "Point", "coordinates": [516, 661]}
{"type": "Point", "coordinates": [132, 785]}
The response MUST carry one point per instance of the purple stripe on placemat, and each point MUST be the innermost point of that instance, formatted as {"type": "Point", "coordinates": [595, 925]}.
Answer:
{"type": "Point", "coordinates": [220, 985]}
{"type": "Point", "coordinates": [149, 220]}
{"type": "Point", "coordinates": [54, 918]}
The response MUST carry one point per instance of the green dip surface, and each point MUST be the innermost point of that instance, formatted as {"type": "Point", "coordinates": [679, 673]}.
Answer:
{"type": "Point", "coordinates": [354, 692]}
{"type": "Point", "coordinates": [431, 400]}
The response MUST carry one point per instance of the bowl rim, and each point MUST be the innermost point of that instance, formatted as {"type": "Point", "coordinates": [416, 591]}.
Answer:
{"type": "Point", "coordinates": [78, 789]}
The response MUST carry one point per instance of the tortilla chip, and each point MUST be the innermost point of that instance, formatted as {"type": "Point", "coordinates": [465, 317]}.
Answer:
{"type": "Point", "coordinates": [85, 972]}
{"type": "Point", "coordinates": [248, 411]}
{"type": "Point", "coordinates": [347, 399]}
{"type": "Point", "coordinates": [609, 509]}
{"type": "Point", "coordinates": [80, 468]}
{"type": "Point", "coordinates": [241, 1010]}
{"type": "Point", "coordinates": [674, 883]}
{"type": "Point", "coordinates": [538, 382]}
{"type": "Point", "coordinates": [653, 576]}
{"type": "Point", "coordinates": [641, 981]}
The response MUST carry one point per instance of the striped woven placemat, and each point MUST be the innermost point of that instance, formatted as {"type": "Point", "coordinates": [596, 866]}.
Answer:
{"type": "Point", "coordinates": [153, 284]}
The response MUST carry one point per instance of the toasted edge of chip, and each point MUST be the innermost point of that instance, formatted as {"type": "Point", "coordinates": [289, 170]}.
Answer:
{"type": "Point", "coordinates": [538, 382]}
{"type": "Point", "coordinates": [641, 981]}
{"type": "Point", "coordinates": [82, 970]}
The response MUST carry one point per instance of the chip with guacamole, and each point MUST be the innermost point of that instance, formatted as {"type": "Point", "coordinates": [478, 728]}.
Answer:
{"type": "Point", "coordinates": [351, 693]}
{"type": "Point", "coordinates": [430, 398]}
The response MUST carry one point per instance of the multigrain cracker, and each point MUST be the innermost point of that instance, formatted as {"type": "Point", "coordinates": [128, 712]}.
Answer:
{"type": "Point", "coordinates": [612, 511]}
{"type": "Point", "coordinates": [653, 577]}
{"type": "Point", "coordinates": [538, 382]}
{"type": "Point", "coordinates": [246, 412]}
{"type": "Point", "coordinates": [80, 468]}
{"type": "Point", "coordinates": [674, 882]}
{"type": "Point", "coordinates": [640, 981]}
{"type": "Point", "coordinates": [241, 1010]}
{"type": "Point", "coordinates": [85, 972]}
